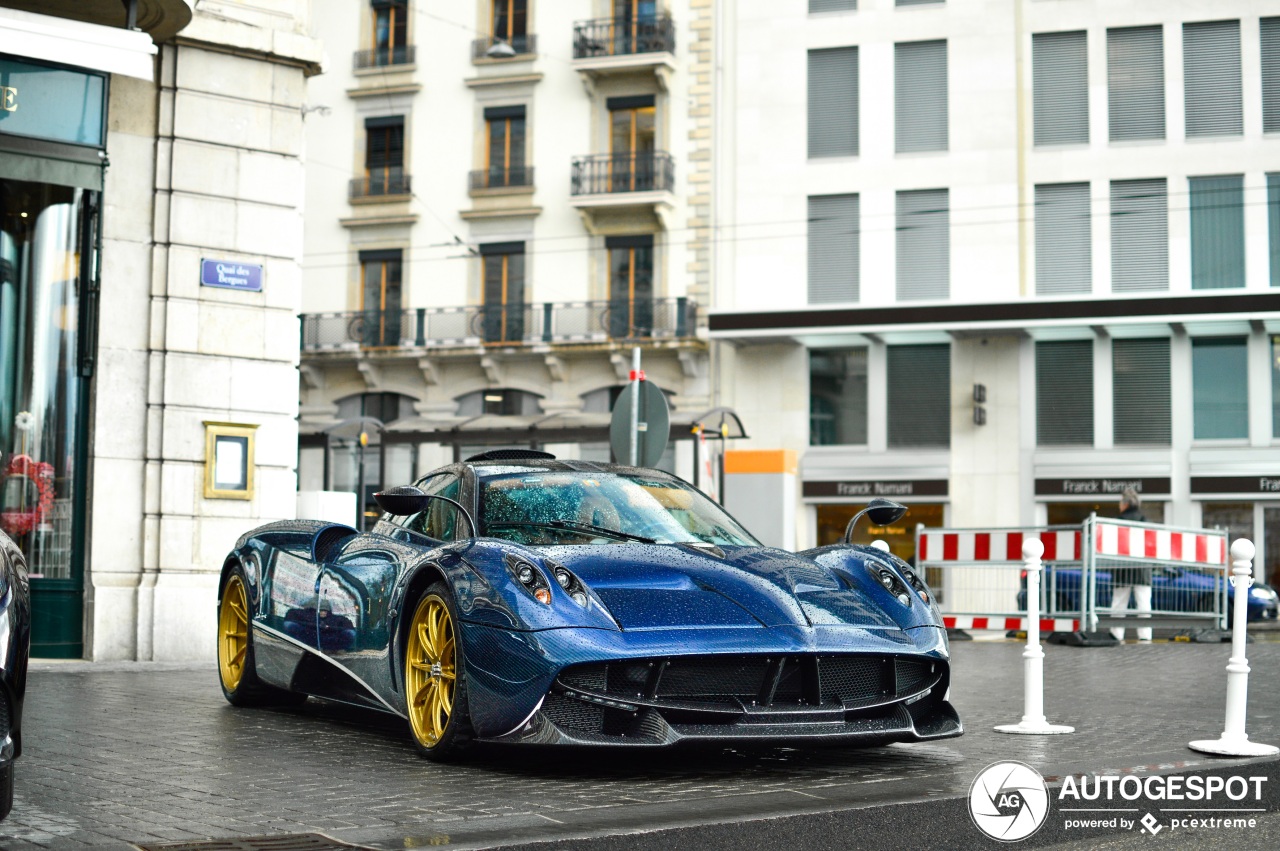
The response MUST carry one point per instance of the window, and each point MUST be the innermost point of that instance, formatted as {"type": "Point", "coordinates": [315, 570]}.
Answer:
{"type": "Point", "coordinates": [1275, 386]}
{"type": "Point", "coordinates": [511, 23]}
{"type": "Point", "coordinates": [1139, 235]}
{"type": "Point", "coordinates": [1064, 245]}
{"type": "Point", "coordinates": [380, 297]}
{"type": "Point", "coordinates": [833, 249]}
{"type": "Point", "coordinates": [504, 147]}
{"type": "Point", "coordinates": [1064, 392]}
{"type": "Point", "coordinates": [832, 6]}
{"type": "Point", "coordinates": [1219, 387]}
{"type": "Point", "coordinates": [630, 286]}
{"type": "Point", "coordinates": [390, 32]}
{"type": "Point", "coordinates": [1135, 83]}
{"type": "Point", "coordinates": [383, 407]}
{"type": "Point", "coordinates": [833, 102]}
{"type": "Point", "coordinates": [384, 156]}
{"type": "Point", "coordinates": [1273, 225]}
{"type": "Point", "coordinates": [500, 402]}
{"type": "Point", "coordinates": [632, 142]}
{"type": "Point", "coordinates": [1060, 85]}
{"type": "Point", "coordinates": [504, 308]}
{"type": "Point", "coordinates": [1270, 32]}
{"type": "Point", "coordinates": [918, 2]}
{"type": "Point", "coordinates": [1217, 232]}
{"type": "Point", "coordinates": [838, 397]}
{"type": "Point", "coordinates": [919, 403]}
{"type": "Point", "coordinates": [1140, 392]}
{"type": "Point", "coordinates": [1211, 72]}
{"type": "Point", "coordinates": [920, 96]}
{"type": "Point", "coordinates": [923, 244]}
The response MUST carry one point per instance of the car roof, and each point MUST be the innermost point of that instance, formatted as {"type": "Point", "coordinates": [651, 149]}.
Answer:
{"type": "Point", "coordinates": [494, 467]}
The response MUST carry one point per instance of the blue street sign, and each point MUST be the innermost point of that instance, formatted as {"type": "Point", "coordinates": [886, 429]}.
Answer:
{"type": "Point", "coordinates": [231, 275]}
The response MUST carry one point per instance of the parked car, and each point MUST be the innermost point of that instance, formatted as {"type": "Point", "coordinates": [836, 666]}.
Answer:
{"type": "Point", "coordinates": [520, 599]}
{"type": "Point", "coordinates": [1173, 589]}
{"type": "Point", "coordinates": [15, 650]}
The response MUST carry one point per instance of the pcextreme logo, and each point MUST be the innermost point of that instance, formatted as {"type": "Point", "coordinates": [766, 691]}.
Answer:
{"type": "Point", "coordinates": [1008, 801]}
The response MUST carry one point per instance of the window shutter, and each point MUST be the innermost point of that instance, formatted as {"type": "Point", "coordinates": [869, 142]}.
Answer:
{"type": "Point", "coordinates": [1135, 83]}
{"type": "Point", "coordinates": [920, 96]}
{"type": "Point", "coordinates": [1061, 90]}
{"type": "Point", "coordinates": [832, 6]}
{"type": "Point", "coordinates": [1140, 391]}
{"type": "Point", "coordinates": [833, 249]}
{"type": "Point", "coordinates": [924, 244]}
{"type": "Point", "coordinates": [1220, 387]}
{"type": "Point", "coordinates": [1270, 75]}
{"type": "Point", "coordinates": [1273, 225]}
{"type": "Point", "coordinates": [918, 2]}
{"type": "Point", "coordinates": [919, 397]}
{"type": "Point", "coordinates": [1064, 244]}
{"type": "Point", "coordinates": [1064, 393]}
{"type": "Point", "coordinates": [1139, 235]}
{"type": "Point", "coordinates": [833, 102]}
{"type": "Point", "coordinates": [1217, 232]}
{"type": "Point", "coordinates": [1211, 63]}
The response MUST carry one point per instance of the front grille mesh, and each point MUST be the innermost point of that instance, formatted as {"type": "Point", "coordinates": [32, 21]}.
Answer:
{"type": "Point", "coordinates": [721, 679]}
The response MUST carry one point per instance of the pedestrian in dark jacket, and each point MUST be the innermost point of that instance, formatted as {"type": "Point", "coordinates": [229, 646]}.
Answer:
{"type": "Point", "coordinates": [1131, 581]}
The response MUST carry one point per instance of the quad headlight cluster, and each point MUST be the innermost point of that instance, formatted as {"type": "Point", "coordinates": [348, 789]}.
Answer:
{"type": "Point", "coordinates": [533, 580]}
{"type": "Point", "coordinates": [914, 581]}
{"type": "Point", "coordinates": [891, 583]}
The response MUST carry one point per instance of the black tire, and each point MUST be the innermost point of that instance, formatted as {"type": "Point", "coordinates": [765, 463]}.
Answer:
{"type": "Point", "coordinates": [6, 790]}
{"type": "Point", "coordinates": [447, 741]}
{"type": "Point", "coordinates": [245, 689]}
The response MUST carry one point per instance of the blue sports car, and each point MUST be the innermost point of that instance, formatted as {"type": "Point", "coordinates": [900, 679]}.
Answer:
{"type": "Point", "coordinates": [517, 598]}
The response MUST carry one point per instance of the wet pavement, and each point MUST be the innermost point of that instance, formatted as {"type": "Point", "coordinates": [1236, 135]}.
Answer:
{"type": "Point", "coordinates": [144, 753]}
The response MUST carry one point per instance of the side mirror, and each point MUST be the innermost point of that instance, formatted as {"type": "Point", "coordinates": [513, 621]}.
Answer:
{"type": "Point", "coordinates": [407, 500]}
{"type": "Point", "coordinates": [881, 511]}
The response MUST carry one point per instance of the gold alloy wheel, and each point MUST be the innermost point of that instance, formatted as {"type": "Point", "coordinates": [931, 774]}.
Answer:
{"type": "Point", "coordinates": [233, 633]}
{"type": "Point", "coordinates": [430, 672]}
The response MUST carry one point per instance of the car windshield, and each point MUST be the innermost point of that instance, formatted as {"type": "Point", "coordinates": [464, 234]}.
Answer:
{"type": "Point", "coordinates": [534, 507]}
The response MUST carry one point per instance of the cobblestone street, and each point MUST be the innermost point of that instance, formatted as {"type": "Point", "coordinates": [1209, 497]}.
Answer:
{"type": "Point", "coordinates": [142, 753]}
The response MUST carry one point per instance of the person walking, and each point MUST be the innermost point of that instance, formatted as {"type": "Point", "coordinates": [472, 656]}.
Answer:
{"type": "Point", "coordinates": [1131, 581]}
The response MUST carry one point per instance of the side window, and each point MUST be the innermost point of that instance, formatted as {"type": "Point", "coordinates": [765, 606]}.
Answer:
{"type": "Point", "coordinates": [440, 520]}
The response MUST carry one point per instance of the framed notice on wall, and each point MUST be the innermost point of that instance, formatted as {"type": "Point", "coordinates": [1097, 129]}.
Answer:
{"type": "Point", "coordinates": [228, 460]}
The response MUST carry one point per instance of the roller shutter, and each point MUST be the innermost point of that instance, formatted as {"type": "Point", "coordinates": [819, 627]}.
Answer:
{"type": "Point", "coordinates": [833, 102]}
{"type": "Point", "coordinates": [1064, 393]}
{"type": "Point", "coordinates": [1211, 73]}
{"type": "Point", "coordinates": [1135, 83]}
{"type": "Point", "coordinates": [1061, 88]}
{"type": "Point", "coordinates": [923, 244]}
{"type": "Point", "coordinates": [1217, 232]}
{"type": "Point", "coordinates": [1140, 392]}
{"type": "Point", "coordinates": [1139, 235]}
{"type": "Point", "coordinates": [1064, 244]}
{"type": "Point", "coordinates": [920, 96]}
{"type": "Point", "coordinates": [833, 249]}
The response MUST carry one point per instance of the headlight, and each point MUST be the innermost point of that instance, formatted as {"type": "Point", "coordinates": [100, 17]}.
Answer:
{"type": "Point", "coordinates": [571, 585]}
{"type": "Point", "coordinates": [530, 579]}
{"type": "Point", "coordinates": [891, 583]}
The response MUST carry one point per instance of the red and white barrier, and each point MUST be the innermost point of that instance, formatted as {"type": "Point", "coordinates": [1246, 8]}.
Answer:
{"type": "Point", "coordinates": [1006, 624]}
{"type": "Point", "coordinates": [1160, 545]}
{"type": "Point", "coordinates": [972, 546]}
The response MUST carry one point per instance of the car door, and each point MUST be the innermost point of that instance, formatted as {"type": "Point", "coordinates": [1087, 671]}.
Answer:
{"type": "Point", "coordinates": [353, 625]}
{"type": "Point", "coordinates": [292, 581]}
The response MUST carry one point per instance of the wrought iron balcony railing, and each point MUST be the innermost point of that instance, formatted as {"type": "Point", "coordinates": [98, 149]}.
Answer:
{"type": "Point", "coordinates": [521, 44]}
{"type": "Point", "coordinates": [513, 324]}
{"type": "Point", "coordinates": [381, 181]}
{"type": "Point", "coordinates": [380, 57]}
{"type": "Point", "coordinates": [623, 36]}
{"type": "Point", "coordinates": [498, 178]}
{"type": "Point", "coordinates": [603, 174]}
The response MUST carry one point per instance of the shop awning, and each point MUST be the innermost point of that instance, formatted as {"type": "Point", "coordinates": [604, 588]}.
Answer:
{"type": "Point", "coordinates": [66, 42]}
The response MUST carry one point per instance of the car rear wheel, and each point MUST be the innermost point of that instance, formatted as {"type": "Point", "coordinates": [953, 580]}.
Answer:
{"type": "Point", "coordinates": [434, 678]}
{"type": "Point", "coordinates": [236, 672]}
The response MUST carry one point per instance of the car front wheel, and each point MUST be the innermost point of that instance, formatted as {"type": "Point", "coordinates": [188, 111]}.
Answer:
{"type": "Point", "coordinates": [434, 678]}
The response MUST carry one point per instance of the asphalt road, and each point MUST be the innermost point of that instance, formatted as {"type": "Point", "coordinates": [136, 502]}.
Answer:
{"type": "Point", "coordinates": [151, 754]}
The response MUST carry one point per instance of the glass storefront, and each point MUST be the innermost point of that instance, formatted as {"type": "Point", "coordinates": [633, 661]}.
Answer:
{"type": "Point", "coordinates": [45, 230]}
{"type": "Point", "coordinates": [1075, 513]}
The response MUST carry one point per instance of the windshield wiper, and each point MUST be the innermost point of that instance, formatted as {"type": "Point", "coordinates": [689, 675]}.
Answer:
{"type": "Point", "coordinates": [582, 527]}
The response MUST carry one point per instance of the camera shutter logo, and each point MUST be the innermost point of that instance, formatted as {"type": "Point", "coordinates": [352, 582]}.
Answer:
{"type": "Point", "coordinates": [1008, 801]}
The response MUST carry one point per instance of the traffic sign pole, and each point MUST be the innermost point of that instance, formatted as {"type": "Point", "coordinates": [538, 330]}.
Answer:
{"type": "Point", "coordinates": [635, 406]}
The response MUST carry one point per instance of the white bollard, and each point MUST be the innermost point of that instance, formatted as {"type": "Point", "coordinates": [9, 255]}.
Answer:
{"type": "Point", "coordinates": [1033, 721]}
{"type": "Point", "coordinates": [1233, 741]}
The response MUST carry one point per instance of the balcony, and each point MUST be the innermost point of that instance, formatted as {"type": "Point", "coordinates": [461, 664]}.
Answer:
{"type": "Point", "coordinates": [482, 49]}
{"type": "Point", "coordinates": [381, 183]}
{"type": "Point", "coordinates": [384, 57]}
{"type": "Point", "coordinates": [605, 186]}
{"type": "Point", "coordinates": [625, 45]}
{"type": "Point", "coordinates": [517, 179]}
{"type": "Point", "coordinates": [623, 37]}
{"type": "Point", "coordinates": [658, 319]}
